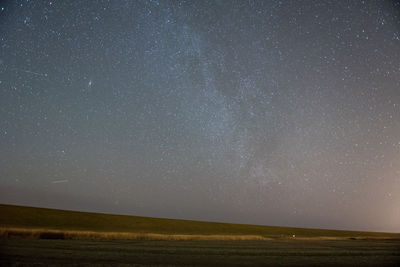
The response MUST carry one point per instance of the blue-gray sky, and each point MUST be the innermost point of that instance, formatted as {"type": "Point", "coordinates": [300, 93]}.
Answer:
{"type": "Point", "coordinates": [263, 112]}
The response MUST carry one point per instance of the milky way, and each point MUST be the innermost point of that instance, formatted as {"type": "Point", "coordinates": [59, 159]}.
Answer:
{"type": "Point", "coordinates": [263, 112]}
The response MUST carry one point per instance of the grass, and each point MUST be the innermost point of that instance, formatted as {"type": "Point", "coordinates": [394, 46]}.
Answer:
{"type": "Point", "coordinates": [90, 235]}
{"type": "Point", "coordinates": [51, 223]}
{"type": "Point", "coordinates": [48, 237]}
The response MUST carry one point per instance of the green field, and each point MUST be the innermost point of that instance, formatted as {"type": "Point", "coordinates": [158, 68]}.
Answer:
{"type": "Point", "coordinates": [51, 219]}
{"type": "Point", "coordinates": [47, 237]}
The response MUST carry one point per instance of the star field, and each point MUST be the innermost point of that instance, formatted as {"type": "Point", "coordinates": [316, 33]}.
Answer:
{"type": "Point", "coordinates": [263, 112]}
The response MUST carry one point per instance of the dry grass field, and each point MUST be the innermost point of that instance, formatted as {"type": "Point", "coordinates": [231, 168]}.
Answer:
{"type": "Point", "coordinates": [90, 235]}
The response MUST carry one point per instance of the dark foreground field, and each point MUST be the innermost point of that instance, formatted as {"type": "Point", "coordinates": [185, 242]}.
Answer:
{"type": "Point", "coordinates": [28, 252]}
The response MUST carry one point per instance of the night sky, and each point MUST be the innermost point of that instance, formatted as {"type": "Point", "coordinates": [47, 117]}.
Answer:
{"type": "Point", "coordinates": [263, 112]}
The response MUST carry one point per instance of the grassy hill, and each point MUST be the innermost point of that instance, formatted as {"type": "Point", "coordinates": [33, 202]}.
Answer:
{"type": "Point", "coordinates": [36, 221]}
